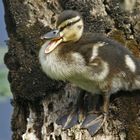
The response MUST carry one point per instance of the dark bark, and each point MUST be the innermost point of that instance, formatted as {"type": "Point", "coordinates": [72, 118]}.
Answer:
{"type": "Point", "coordinates": [38, 100]}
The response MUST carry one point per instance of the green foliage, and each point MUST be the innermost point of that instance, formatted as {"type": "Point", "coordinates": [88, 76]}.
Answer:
{"type": "Point", "coordinates": [4, 85]}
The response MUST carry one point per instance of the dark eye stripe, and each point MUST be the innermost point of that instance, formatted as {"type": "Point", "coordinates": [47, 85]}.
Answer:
{"type": "Point", "coordinates": [69, 24]}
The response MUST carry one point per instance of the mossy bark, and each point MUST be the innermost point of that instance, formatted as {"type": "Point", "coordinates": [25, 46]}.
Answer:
{"type": "Point", "coordinates": [39, 100]}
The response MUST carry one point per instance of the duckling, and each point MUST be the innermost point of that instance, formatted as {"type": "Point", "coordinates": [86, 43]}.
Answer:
{"type": "Point", "coordinates": [91, 61]}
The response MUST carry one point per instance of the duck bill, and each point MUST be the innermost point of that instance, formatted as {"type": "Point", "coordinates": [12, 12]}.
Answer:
{"type": "Point", "coordinates": [54, 40]}
{"type": "Point", "coordinates": [51, 35]}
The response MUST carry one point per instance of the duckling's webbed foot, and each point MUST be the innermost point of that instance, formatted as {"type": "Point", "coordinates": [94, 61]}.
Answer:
{"type": "Point", "coordinates": [94, 121]}
{"type": "Point", "coordinates": [69, 120]}
{"type": "Point", "coordinates": [75, 116]}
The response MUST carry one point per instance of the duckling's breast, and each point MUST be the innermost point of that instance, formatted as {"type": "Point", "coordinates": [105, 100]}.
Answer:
{"type": "Point", "coordinates": [58, 67]}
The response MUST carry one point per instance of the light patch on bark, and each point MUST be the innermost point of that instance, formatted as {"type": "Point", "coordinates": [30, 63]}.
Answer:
{"type": "Point", "coordinates": [30, 132]}
{"type": "Point", "coordinates": [128, 5]}
{"type": "Point", "coordinates": [39, 12]}
{"type": "Point", "coordinates": [98, 9]}
{"type": "Point", "coordinates": [69, 95]}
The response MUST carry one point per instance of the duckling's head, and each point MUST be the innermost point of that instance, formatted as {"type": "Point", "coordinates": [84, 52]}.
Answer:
{"type": "Point", "coordinates": [69, 27]}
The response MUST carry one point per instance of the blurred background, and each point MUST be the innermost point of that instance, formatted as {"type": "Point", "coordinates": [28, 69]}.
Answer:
{"type": "Point", "coordinates": [5, 94]}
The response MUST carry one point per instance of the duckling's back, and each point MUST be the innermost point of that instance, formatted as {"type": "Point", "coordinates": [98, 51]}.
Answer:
{"type": "Point", "coordinates": [108, 63]}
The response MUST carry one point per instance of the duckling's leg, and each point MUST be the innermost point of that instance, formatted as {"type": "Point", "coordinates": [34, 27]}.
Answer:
{"type": "Point", "coordinates": [93, 121]}
{"type": "Point", "coordinates": [75, 116]}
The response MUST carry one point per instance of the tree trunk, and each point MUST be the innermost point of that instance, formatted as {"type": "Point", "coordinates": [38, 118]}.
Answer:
{"type": "Point", "coordinates": [39, 100]}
